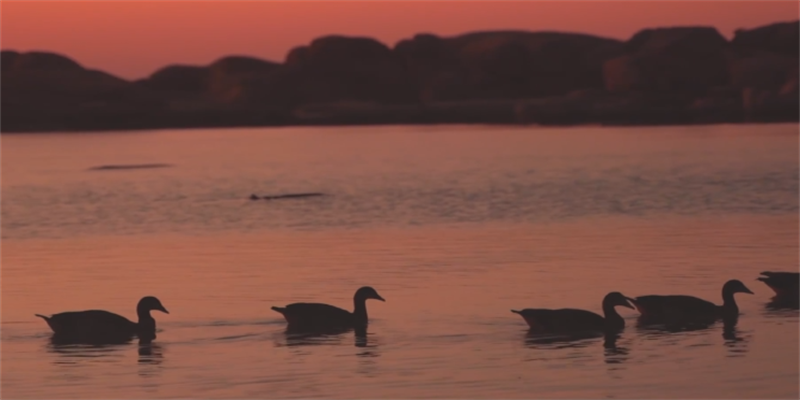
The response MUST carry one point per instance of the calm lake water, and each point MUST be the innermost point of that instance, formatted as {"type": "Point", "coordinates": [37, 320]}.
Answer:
{"type": "Point", "coordinates": [453, 225]}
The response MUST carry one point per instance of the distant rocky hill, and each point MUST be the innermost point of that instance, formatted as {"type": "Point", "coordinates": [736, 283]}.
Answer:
{"type": "Point", "coordinates": [678, 75]}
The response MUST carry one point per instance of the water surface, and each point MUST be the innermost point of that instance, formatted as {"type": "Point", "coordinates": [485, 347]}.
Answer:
{"type": "Point", "coordinates": [453, 225]}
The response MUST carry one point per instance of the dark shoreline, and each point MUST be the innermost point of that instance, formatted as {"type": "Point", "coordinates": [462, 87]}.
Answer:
{"type": "Point", "coordinates": [244, 126]}
{"type": "Point", "coordinates": [662, 76]}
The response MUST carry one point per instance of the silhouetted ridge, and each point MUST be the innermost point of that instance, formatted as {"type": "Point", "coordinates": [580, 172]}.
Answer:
{"type": "Point", "coordinates": [672, 75]}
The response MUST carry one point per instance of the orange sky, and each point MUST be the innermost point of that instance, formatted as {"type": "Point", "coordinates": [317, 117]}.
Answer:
{"type": "Point", "coordinates": [133, 39]}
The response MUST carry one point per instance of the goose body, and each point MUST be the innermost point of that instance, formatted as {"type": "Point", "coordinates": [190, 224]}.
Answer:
{"type": "Point", "coordinates": [662, 307]}
{"type": "Point", "coordinates": [99, 326]}
{"type": "Point", "coordinates": [316, 314]}
{"type": "Point", "coordinates": [784, 284]}
{"type": "Point", "coordinates": [566, 320]}
{"type": "Point", "coordinates": [325, 316]}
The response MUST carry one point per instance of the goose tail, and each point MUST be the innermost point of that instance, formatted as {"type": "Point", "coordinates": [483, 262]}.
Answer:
{"type": "Point", "coordinates": [49, 322]}
{"type": "Point", "coordinates": [638, 305]}
{"type": "Point", "coordinates": [279, 309]}
{"type": "Point", "coordinates": [646, 307]}
{"type": "Point", "coordinates": [516, 311]}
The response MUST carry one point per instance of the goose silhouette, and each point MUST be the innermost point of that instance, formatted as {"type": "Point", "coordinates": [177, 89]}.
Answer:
{"type": "Point", "coordinates": [99, 326]}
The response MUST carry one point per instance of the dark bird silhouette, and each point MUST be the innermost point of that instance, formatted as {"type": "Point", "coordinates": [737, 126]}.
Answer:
{"type": "Point", "coordinates": [292, 196]}
{"type": "Point", "coordinates": [680, 307]}
{"type": "Point", "coordinates": [323, 317]}
{"type": "Point", "coordinates": [568, 320]}
{"type": "Point", "coordinates": [784, 284]}
{"type": "Point", "coordinates": [128, 166]}
{"type": "Point", "coordinates": [103, 327]}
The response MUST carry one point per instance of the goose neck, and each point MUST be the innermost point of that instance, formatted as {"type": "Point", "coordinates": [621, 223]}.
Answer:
{"type": "Point", "coordinates": [360, 309]}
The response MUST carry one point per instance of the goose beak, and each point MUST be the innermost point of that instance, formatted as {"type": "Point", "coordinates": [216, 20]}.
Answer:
{"type": "Point", "coordinates": [378, 297]}
{"type": "Point", "coordinates": [746, 290]}
{"type": "Point", "coordinates": [628, 303]}
{"type": "Point", "coordinates": [162, 309]}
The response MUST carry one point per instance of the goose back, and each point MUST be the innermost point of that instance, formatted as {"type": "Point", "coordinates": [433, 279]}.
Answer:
{"type": "Point", "coordinates": [561, 320]}
{"type": "Point", "coordinates": [675, 306]}
{"type": "Point", "coordinates": [91, 326]}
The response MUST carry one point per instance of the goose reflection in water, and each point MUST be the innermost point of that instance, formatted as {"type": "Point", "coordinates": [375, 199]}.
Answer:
{"type": "Point", "coordinates": [66, 342]}
{"type": "Point", "coordinates": [292, 339]}
{"type": "Point", "coordinates": [562, 341]}
{"type": "Point", "coordinates": [736, 343]}
{"type": "Point", "coordinates": [334, 336]}
{"type": "Point", "coordinates": [361, 338]}
{"type": "Point", "coordinates": [150, 353]}
{"type": "Point", "coordinates": [151, 356]}
{"type": "Point", "coordinates": [783, 304]}
{"type": "Point", "coordinates": [667, 326]}
{"type": "Point", "coordinates": [613, 352]}
{"type": "Point", "coordinates": [71, 353]}
{"type": "Point", "coordinates": [363, 342]}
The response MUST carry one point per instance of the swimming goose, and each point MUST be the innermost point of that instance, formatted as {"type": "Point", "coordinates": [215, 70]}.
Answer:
{"type": "Point", "coordinates": [98, 326]}
{"type": "Point", "coordinates": [657, 307]}
{"type": "Point", "coordinates": [324, 316]}
{"type": "Point", "coordinates": [573, 320]}
{"type": "Point", "coordinates": [784, 284]}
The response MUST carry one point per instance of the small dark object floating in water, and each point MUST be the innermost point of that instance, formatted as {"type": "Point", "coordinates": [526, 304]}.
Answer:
{"type": "Point", "coordinates": [128, 166]}
{"type": "Point", "coordinates": [316, 317]}
{"type": "Point", "coordinates": [784, 284]}
{"type": "Point", "coordinates": [103, 327]}
{"type": "Point", "coordinates": [286, 196]}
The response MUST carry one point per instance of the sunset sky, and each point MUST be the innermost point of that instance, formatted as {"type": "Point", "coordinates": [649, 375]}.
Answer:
{"type": "Point", "coordinates": [133, 39]}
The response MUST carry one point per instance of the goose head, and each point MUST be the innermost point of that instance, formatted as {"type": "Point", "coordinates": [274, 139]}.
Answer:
{"type": "Point", "coordinates": [735, 286]}
{"type": "Point", "coordinates": [366, 293]}
{"type": "Point", "coordinates": [148, 303]}
{"type": "Point", "coordinates": [614, 299]}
